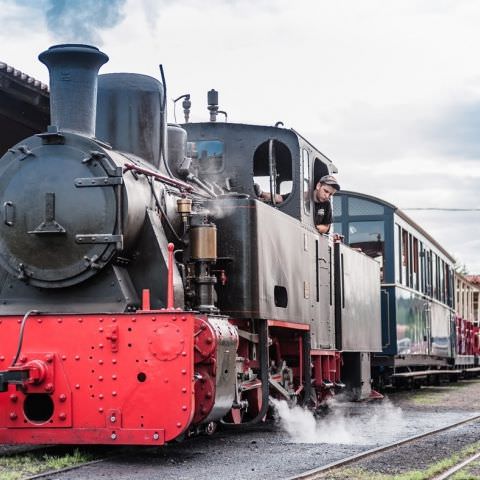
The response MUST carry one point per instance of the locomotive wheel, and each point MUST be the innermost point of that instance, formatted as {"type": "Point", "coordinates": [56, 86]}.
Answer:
{"type": "Point", "coordinates": [238, 415]}
{"type": "Point", "coordinates": [254, 398]}
{"type": "Point", "coordinates": [235, 415]}
{"type": "Point", "coordinates": [210, 428]}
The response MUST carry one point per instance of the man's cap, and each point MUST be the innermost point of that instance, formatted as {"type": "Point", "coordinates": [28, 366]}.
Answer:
{"type": "Point", "coordinates": [330, 180]}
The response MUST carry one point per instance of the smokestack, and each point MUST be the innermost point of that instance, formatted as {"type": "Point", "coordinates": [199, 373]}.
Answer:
{"type": "Point", "coordinates": [73, 72]}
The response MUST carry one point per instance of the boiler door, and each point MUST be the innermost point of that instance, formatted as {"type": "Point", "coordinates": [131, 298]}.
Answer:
{"type": "Point", "coordinates": [58, 226]}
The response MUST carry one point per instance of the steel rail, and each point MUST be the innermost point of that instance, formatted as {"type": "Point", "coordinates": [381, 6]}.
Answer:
{"type": "Point", "coordinates": [49, 473]}
{"type": "Point", "coordinates": [448, 473]}
{"type": "Point", "coordinates": [317, 472]}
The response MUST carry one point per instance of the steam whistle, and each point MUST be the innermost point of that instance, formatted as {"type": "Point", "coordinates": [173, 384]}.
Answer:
{"type": "Point", "coordinates": [212, 99]}
{"type": "Point", "coordinates": [186, 105]}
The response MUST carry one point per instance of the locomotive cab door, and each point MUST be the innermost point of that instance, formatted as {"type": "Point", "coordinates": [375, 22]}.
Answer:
{"type": "Point", "coordinates": [323, 331]}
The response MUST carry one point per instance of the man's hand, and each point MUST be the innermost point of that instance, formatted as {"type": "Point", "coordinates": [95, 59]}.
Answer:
{"type": "Point", "coordinates": [322, 228]}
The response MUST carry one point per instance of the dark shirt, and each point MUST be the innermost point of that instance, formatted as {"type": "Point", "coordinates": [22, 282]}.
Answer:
{"type": "Point", "coordinates": [323, 213]}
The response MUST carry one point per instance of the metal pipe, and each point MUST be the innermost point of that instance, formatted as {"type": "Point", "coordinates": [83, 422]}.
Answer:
{"type": "Point", "coordinates": [157, 176]}
{"type": "Point", "coordinates": [272, 171]}
{"type": "Point", "coordinates": [163, 126]}
{"type": "Point", "coordinates": [170, 305]}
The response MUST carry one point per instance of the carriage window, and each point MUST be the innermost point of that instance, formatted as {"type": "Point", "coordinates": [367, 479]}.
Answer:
{"type": "Point", "coordinates": [429, 273]}
{"type": "Point", "coordinates": [421, 255]}
{"type": "Point", "coordinates": [443, 279]}
{"type": "Point", "coordinates": [272, 167]}
{"type": "Point", "coordinates": [398, 253]}
{"type": "Point", "coordinates": [450, 287]}
{"type": "Point", "coordinates": [369, 237]}
{"type": "Point", "coordinates": [337, 206]}
{"type": "Point", "coordinates": [337, 228]}
{"type": "Point", "coordinates": [208, 156]}
{"type": "Point", "coordinates": [416, 277]}
{"type": "Point", "coordinates": [357, 206]}
{"type": "Point", "coordinates": [434, 275]}
{"type": "Point", "coordinates": [439, 283]}
{"type": "Point", "coordinates": [410, 260]}
{"type": "Point", "coordinates": [476, 305]}
{"type": "Point", "coordinates": [404, 257]}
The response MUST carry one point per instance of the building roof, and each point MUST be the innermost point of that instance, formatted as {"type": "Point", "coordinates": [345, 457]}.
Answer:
{"type": "Point", "coordinates": [475, 279]}
{"type": "Point", "coordinates": [9, 71]}
{"type": "Point", "coordinates": [24, 106]}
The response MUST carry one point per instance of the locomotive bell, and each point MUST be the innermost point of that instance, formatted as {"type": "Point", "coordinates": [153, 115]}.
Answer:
{"type": "Point", "coordinates": [203, 240]}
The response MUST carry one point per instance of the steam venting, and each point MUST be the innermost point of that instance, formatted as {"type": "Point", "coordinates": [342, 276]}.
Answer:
{"type": "Point", "coordinates": [384, 422]}
{"type": "Point", "coordinates": [73, 86]}
{"type": "Point", "coordinates": [83, 20]}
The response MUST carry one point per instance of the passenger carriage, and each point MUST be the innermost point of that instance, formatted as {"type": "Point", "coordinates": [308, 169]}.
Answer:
{"type": "Point", "coordinates": [420, 330]}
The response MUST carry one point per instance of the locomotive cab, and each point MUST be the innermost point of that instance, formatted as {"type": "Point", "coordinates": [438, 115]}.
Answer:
{"type": "Point", "coordinates": [279, 269]}
{"type": "Point", "coordinates": [280, 161]}
{"type": "Point", "coordinates": [235, 157]}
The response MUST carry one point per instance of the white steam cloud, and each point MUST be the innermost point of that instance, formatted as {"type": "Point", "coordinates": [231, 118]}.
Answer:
{"type": "Point", "coordinates": [337, 426]}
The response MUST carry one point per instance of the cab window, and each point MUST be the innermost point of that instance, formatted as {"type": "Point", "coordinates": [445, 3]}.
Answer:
{"type": "Point", "coordinates": [306, 180]}
{"type": "Point", "coordinates": [207, 156]}
{"type": "Point", "coordinates": [272, 168]}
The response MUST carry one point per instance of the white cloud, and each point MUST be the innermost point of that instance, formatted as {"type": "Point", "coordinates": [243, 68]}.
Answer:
{"type": "Point", "coordinates": [388, 90]}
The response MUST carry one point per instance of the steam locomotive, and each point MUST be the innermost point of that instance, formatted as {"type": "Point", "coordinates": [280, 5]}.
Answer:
{"type": "Point", "coordinates": [146, 293]}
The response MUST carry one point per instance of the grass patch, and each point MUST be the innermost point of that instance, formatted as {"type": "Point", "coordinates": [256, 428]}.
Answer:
{"type": "Point", "coordinates": [428, 398]}
{"type": "Point", "coordinates": [440, 391]}
{"type": "Point", "coordinates": [438, 394]}
{"type": "Point", "coordinates": [19, 466]}
{"type": "Point", "coordinates": [431, 471]}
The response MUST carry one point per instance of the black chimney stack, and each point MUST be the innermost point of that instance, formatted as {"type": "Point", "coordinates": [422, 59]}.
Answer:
{"type": "Point", "coordinates": [73, 72]}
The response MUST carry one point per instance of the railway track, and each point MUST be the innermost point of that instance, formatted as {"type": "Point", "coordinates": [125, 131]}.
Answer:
{"type": "Point", "coordinates": [460, 466]}
{"type": "Point", "coordinates": [320, 472]}
{"type": "Point", "coordinates": [125, 453]}
{"type": "Point", "coordinates": [457, 468]}
{"type": "Point", "coordinates": [65, 469]}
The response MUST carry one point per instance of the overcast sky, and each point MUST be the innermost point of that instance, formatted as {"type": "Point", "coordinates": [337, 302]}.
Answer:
{"type": "Point", "coordinates": [389, 90]}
